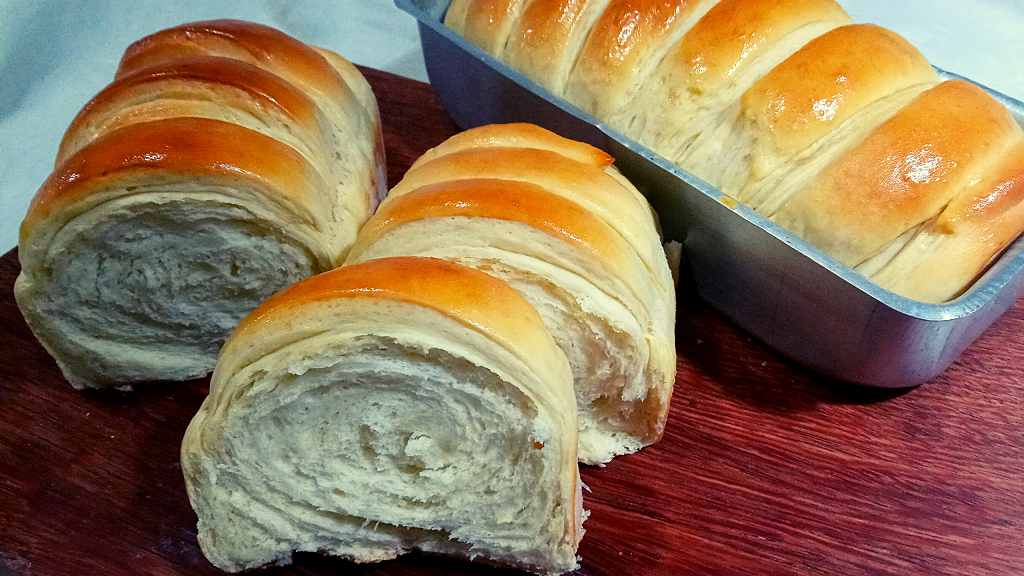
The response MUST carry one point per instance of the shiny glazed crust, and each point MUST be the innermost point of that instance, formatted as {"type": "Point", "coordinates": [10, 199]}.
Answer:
{"type": "Point", "coordinates": [177, 146]}
{"type": "Point", "coordinates": [904, 173]}
{"type": "Point", "coordinates": [625, 43]}
{"type": "Point", "coordinates": [827, 81]}
{"type": "Point", "coordinates": [224, 81]}
{"type": "Point", "coordinates": [947, 254]}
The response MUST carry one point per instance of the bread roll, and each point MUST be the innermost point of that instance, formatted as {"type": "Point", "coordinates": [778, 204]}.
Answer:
{"type": "Point", "coordinates": [547, 37]}
{"type": "Point", "coordinates": [396, 405]}
{"type": "Point", "coordinates": [948, 253]}
{"type": "Point", "coordinates": [189, 190]}
{"type": "Point", "coordinates": [863, 207]}
{"type": "Point", "coordinates": [555, 220]}
{"type": "Point", "coordinates": [821, 101]}
{"type": "Point", "coordinates": [771, 103]}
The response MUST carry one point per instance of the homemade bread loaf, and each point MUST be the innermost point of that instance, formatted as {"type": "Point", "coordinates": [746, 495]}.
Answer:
{"type": "Point", "coordinates": [772, 103]}
{"type": "Point", "coordinates": [225, 161]}
{"type": "Point", "coordinates": [553, 218]}
{"type": "Point", "coordinates": [396, 405]}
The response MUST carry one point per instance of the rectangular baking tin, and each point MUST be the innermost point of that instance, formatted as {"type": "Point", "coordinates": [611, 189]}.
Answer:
{"type": "Point", "coordinates": [783, 291]}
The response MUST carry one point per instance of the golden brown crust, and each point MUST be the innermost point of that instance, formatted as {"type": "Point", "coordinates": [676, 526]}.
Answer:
{"type": "Point", "coordinates": [485, 23]}
{"type": "Point", "coordinates": [987, 203]}
{"type": "Point", "coordinates": [256, 44]}
{"type": "Point", "coordinates": [528, 164]}
{"type": "Point", "coordinates": [575, 170]}
{"type": "Point", "coordinates": [592, 186]}
{"type": "Point", "coordinates": [517, 136]}
{"type": "Point", "coordinates": [546, 40]}
{"type": "Point", "coordinates": [736, 31]}
{"type": "Point", "coordinates": [628, 39]}
{"type": "Point", "coordinates": [947, 255]}
{"type": "Point", "coordinates": [196, 146]}
{"type": "Point", "coordinates": [201, 75]}
{"type": "Point", "coordinates": [474, 298]}
{"type": "Point", "coordinates": [829, 80]}
{"type": "Point", "coordinates": [509, 200]}
{"type": "Point", "coordinates": [904, 173]}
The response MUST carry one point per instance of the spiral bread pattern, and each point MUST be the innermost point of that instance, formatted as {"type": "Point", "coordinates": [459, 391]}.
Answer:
{"type": "Point", "coordinates": [394, 405]}
{"type": "Point", "coordinates": [554, 219]}
{"type": "Point", "coordinates": [225, 161]}
{"type": "Point", "coordinates": [840, 132]}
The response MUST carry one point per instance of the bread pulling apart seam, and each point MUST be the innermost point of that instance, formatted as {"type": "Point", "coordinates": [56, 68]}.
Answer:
{"type": "Point", "coordinates": [396, 405]}
{"type": "Point", "coordinates": [225, 161]}
{"type": "Point", "coordinates": [629, 40]}
{"type": "Point", "coordinates": [574, 239]}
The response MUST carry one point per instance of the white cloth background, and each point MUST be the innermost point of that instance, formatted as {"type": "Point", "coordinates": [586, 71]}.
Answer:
{"type": "Point", "coordinates": [56, 54]}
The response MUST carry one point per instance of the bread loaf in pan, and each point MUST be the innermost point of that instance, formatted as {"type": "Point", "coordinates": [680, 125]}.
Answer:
{"type": "Point", "coordinates": [553, 218]}
{"type": "Point", "coordinates": [394, 405]}
{"type": "Point", "coordinates": [226, 160]}
{"type": "Point", "coordinates": [763, 100]}
{"type": "Point", "coordinates": [770, 282]}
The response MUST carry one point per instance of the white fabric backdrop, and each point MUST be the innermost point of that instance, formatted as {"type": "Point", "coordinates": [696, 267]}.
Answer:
{"type": "Point", "coordinates": [56, 54]}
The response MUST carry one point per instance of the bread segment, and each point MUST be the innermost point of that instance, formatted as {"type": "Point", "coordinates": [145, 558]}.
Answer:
{"type": "Point", "coordinates": [546, 40]}
{"type": "Point", "coordinates": [397, 405]}
{"type": "Point", "coordinates": [903, 174]}
{"type": "Point", "coordinates": [486, 24]}
{"type": "Point", "coordinates": [730, 48]}
{"type": "Point", "coordinates": [948, 253]}
{"type": "Point", "coordinates": [571, 238]}
{"type": "Point", "coordinates": [145, 220]}
{"type": "Point", "coordinates": [225, 161]}
{"type": "Point", "coordinates": [625, 44]}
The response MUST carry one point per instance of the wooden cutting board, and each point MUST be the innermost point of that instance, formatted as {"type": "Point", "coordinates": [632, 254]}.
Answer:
{"type": "Point", "coordinates": [764, 468]}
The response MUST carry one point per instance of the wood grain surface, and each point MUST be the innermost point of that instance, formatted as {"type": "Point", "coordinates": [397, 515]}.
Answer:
{"type": "Point", "coordinates": [764, 468]}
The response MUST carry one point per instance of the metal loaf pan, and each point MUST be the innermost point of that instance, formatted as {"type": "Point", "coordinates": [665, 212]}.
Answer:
{"type": "Point", "coordinates": [783, 291]}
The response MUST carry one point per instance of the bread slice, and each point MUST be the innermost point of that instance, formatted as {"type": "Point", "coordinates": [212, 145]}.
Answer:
{"type": "Point", "coordinates": [397, 405]}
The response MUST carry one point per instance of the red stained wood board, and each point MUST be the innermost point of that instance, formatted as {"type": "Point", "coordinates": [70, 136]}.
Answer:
{"type": "Point", "coordinates": [764, 468]}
